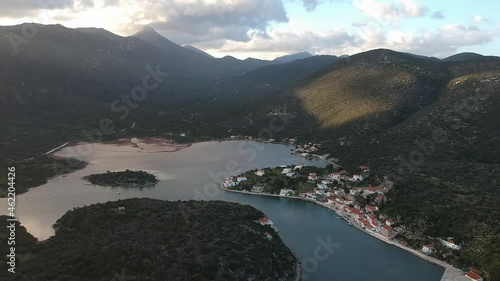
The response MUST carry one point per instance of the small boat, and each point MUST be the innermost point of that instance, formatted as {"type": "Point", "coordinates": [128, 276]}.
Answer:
{"type": "Point", "coordinates": [350, 223]}
{"type": "Point", "coordinates": [50, 198]}
{"type": "Point", "coordinates": [118, 192]}
{"type": "Point", "coordinates": [338, 217]}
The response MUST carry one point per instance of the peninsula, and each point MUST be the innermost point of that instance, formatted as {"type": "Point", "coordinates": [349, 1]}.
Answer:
{"type": "Point", "coordinates": [149, 239]}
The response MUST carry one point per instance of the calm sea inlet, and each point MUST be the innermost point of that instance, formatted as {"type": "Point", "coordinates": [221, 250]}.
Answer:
{"type": "Point", "coordinates": [190, 174]}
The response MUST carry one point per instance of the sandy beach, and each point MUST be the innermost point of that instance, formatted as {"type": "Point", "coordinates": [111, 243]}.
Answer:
{"type": "Point", "coordinates": [140, 145]}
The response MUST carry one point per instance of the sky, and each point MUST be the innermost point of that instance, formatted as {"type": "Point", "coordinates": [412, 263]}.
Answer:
{"type": "Point", "coordinates": [270, 28]}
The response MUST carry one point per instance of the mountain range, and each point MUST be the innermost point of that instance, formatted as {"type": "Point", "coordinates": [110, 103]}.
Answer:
{"type": "Point", "coordinates": [431, 125]}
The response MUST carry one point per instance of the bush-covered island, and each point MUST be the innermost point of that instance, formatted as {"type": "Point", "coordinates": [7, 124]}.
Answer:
{"type": "Point", "coordinates": [125, 178]}
{"type": "Point", "coordinates": [155, 240]}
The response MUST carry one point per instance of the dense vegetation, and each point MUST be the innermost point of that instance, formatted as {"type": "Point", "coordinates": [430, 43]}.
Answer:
{"type": "Point", "coordinates": [26, 246]}
{"type": "Point", "coordinates": [125, 178]}
{"type": "Point", "coordinates": [435, 131]}
{"type": "Point", "coordinates": [146, 239]}
{"type": "Point", "coordinates": [379, 107]}
{"type": "Point", "coordinates": [37, 171]}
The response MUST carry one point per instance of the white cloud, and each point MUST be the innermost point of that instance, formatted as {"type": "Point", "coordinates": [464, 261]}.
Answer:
{"type": "Point", "coordinates": [441, 42]}
{"type": "Point", "coordinates": [480, 19]}
{"type": "Point", "coordinates": [390, 11]}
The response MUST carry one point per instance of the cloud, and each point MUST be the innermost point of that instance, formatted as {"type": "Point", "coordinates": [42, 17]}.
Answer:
{"type": "Point", "coordinates": [192, 21]}
{"type": "Point", "coordinates": [294, 42]}
{"type": "Point", "coordinates": [480, 19]}
{"type": "Point", "coordinates": [30, 5]}
{"type": "Point", "coordinates": [438, 15]}
{"type": "Point", "coordinates": [359, 24]}
{"type": "Point", "coordinates": [390, 11]}
{"type": "Point", "coordinates": [441, 42]}
{"type": "Point", "coordinates": [20, 8]}
{"type": "Point", "coordinates": [310, 5]}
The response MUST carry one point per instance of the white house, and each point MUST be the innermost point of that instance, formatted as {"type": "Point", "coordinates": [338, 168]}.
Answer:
{"type": "Point", "coordinates": [319, 191]}
{"type": "Point", "coordinates": [268, 236]}
{"type": "Point", "coordinates": [372, 218]}
{"type": "Point", "coordinates": [266, 221]}
{"type": "Point", "coordinates": [473, 276]}
{"type": "Point", "coordinates": [326, 182]}
{"type": "Point", "coordinates": [354, 191]}
{"type": "Point", "coordinates": [240, 179]}
{"type": "Point", "coordinates": [286, 171]}
{"type": "Point", "coordinates": [291, 174]}
{"type": "Point", "coordinates": [229, 184]}
{"type": "Point", "coordinates": [451, 244]}
{"type": "Point", "coordinates": [428, 248]}
{"type": "Point", "coordinates": [257, 188]}
{"type": "Point", "coordinates": [335, 176]}
{"type": "Point", "coordinates": [371, 190]}
{"type": "Point", "coordinates": [298, 167]}
{"type": "Point", "coordinates": [260, 173]}
{"type": "Point", "coordinates": [309, 194]}
{"type": "Point", "coordinates": [371, 209]}
{"type": "Point", "coordinates": [357, 177]}
{"type": "Point", "coordinates": [286, 192]}
{"type": "Point", "coordinates": [330, 200]}
{"type": "Point", "coordinates": [312, 177]}
{"type": "Point", "coordinates": [322, 186]}
{"type": "Point", "coordinates": [339, 192]}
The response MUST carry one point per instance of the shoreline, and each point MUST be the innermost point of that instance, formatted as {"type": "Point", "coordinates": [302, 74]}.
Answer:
{"type": "Point", "coordinates": [450, 273]}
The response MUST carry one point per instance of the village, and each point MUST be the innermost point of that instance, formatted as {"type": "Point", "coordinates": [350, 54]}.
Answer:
{"type": "Point", "coordinates": [354, 196]}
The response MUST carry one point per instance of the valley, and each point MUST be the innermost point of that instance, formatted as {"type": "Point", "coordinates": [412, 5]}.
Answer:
{"type": "Point", "coordinates": [429, 125]}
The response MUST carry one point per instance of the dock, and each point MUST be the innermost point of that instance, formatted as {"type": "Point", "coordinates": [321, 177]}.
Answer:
{"type": "Point", "coordinates": [453, 275]}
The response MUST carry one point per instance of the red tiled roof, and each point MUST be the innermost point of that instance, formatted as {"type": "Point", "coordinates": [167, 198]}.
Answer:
{"type": "Point", "coordinates": [363, 221]}
{"type": "Point", "coordinates": [473, 275]}
{"type": "Point", "coordinates": [431, 245]}
{"type": "Point", "coordinates": [380, 197]}
{"type": "Point", "coordinates": [263, 220]}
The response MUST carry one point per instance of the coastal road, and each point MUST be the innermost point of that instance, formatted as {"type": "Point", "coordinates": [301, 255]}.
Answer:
{"type": "Point", "coordinates": [450, 274]}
